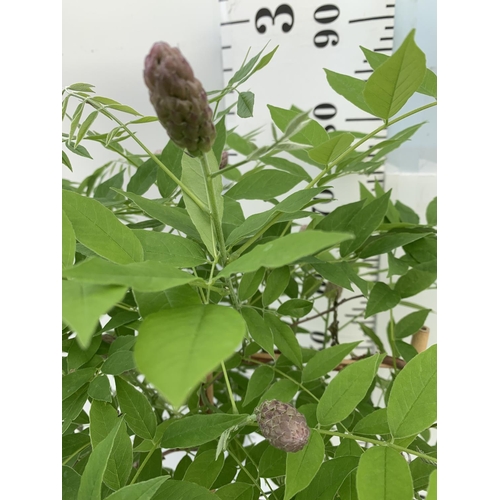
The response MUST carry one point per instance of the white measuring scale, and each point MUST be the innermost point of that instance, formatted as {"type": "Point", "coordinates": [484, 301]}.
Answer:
{"type": "Point", "coordinates": [311, 35]}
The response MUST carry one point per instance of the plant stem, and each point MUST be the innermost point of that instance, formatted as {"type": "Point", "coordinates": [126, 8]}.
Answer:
{"type": "Point", "coordinates": [256, 466]}
{"type": "Point", "coordinates": [254, 481]}
{"type": "Point", "coordinates": [379, 443]}
{"type": "Point", "coordinates": [214, 210]}
{"type": "Point", "coordinates": [229, 390]}
{"type": "Point", "coordinates": [139, 470]}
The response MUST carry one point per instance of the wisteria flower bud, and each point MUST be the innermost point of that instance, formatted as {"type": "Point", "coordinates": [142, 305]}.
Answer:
{"type": "Point", "coordinates": [282, 425]}
{"type": "Point", "coordinates": [179, 99]}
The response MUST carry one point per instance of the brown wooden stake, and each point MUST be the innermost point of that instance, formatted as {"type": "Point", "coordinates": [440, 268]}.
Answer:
{"type": "Point", "coordinates": [210, 389]}
{"type": "Point", "coordinates": [420, 339]}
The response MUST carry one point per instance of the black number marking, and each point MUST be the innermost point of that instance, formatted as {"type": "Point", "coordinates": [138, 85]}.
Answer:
{"type": "Point", "coordinates": [325, 111]}
{"type": "Point", "coordinates": [325, 195]}
{"type": "Point", "coordinates": [323, 38]}
{"type": "Point", "coordinates": [282, 9]}
{"type": "Point", "coordinates": [326, 14]}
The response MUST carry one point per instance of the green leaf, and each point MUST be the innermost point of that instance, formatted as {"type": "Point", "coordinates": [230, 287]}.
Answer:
{"type": "Point", "coordinates": [383, 474]}
{"type": "Point", "coordinates": [171, 216]}
{"type": "Point", "coordinates": [73, 381]}
{"type": "Point", "coordinates": [276, 283]}
{"type": "Point", "coordinates": [411, 324]}
{"type": "Point", "coordinates": [297, 308]}
{"type": "Point", "coordinates": [245, 104]}
{"type": "Point", "coordinates": [117, 320]}
{"type": "Point", "coordinates": [98, 229]}
{"type": "Point", "coordinates": [431, 212]}
{"type": "Point", "coordinates": [285, 339]}
{"type": "Point", "coordinates": [147, 276]}
{"type": "Point", "coordinates": [337, 273]}
{"type": "Point", "coordinates": [346, 390]}
{"type": "Point", "coordinates": [200, 336]}
{"type": "Point", "coordinates": [194, 177]}
{"type": "Point", "coordinates": [140, 491]}
{"type": "Point", "coordinates": [406, 213]}
{"type": "Point", "coordinates": [83, 304]}
{"type": "Point", "coordinates": [73, 444]}
{"type": "Point", "coordinates": [396, 266]}
{"type": "Point", "coordinates": [287, 166]}
{"type": "Point", "coordinates": [99, 389]}
{"type": "Point", "coordinates": [78, 356]}
{"type": "Point", "coordinates": [384, 243]}
{"type": "Point", "coordinates": [81, 87]}
{"type": "Point", "coordinates": [328, 151]}
{"type": "Point", "coordinates": [119, 362]}
{"type": "Point", "coordinates": [265, 60]}
{"type": "Point", "coordinates": [259, 382]}
{"type": "Point", "coordinates": [137, 409]}
{"type": "Point", "coordinates": [429, 84]}
{"type": "Point", "coordinates": [396, 80]}
{"type": "Point", "coordinates": [171, 157]}
{"type": "Point", "coordinates": [416, 280]}
{"type": "Point", "coordinates": [220, 139]}
{"type": "Point", "coordinates": [103, 418]}
{"type": "Point", "coordinates": [144, 177]}
{"type": "Point", "coordinates": [68, 242]}
{"type": "Point", "coordinates": [283, 390]}
{"type": "Point", "coordinates": [382, 298]}
{"type": "Point", "coordinates": [205, 469]}
{"type": "Point", "coordinates": [263, 185]}
{"type": "Point", "coordinates": [258, 329]}
{"type": "Point", "coordinates": [373, 423]}
{"type": "Point", "coordinates": [179, 296]}
{"type": "Point", "coordinates": [365, 222]}
{"type": "Point", "coordinates": [249, 283]}
{"type": "Point", "coordinates": [70, 483]}
{"type": "Point", "coordinates": [420, 472]}
{"type": "Point", "coordinates": [196, 430]}
{"type": "Point", "coordinates": [412, 403]}
{"type": "Point", "coordinates": [312, 134]}
{"type": "Point", "coordinates": [407, 351]}
{"type": "Point", "coordinates": [87, 123]}
{"type": "Point", "coordinates": [73, 405]}
{"type": "Point", "coordinates": [92, 477]}
{"type": "Point", "coordinates": [329, 479]}
{"type": "Point", "coordinates": [236, 491]}
{"type": "Point", "coordinates": [326, 360]}
{"type": "Point", "coordinates": [66, 161]}
{"type": "Point", "coordinates": [104, 189]}
{"type": "Point", "coordinates": [432, 488]}
{"type": "Point", "coordinates": [302, 466]}
{"type": "Point", "coordinates": [284, 251]}
{"type": "Point", "coordinates": [272, 462]}
{"type": "Point", "coordinates": [350, 88]}
{"type": "Point", "coordinates": [182, 490]}
{"type": "Point", "coordinates": [255, 222]}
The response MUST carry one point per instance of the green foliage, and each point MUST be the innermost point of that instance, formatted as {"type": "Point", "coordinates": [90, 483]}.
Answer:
{"type": "Point", "coordinates": [181, 314]}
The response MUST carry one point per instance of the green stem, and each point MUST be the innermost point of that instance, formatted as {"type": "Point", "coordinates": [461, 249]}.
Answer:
{"type": "Point", "coordinates": [229, 390]}
{"type": "Point", "coordinates": [228, 168]}
{"type": "Point", "coordinates": [256, 466]}
{"type": "Point", "coordinates": [379, 443]}
{"type": "Point", "coordinates": [214, 210]}
{"type": "Point", "coordinates": [139, 470]}
{"type": "Point", "coordinates": [186, 190]}
{"type": "Point", "coordinates": [254, 481]}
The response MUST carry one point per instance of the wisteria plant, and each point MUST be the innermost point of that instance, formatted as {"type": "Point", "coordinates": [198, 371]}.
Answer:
{"type": "Point", "coordinates": [183, 319]}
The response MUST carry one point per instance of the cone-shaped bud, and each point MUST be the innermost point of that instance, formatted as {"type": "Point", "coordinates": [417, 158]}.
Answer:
{"type": "Point", "coordinates": [223, 160]}
{"type": "Point", "coordinates": [179, 99]}
{"type": "Point", "coordinates": [282, 425]}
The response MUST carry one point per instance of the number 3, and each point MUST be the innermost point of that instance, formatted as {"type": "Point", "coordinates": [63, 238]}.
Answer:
{"type": "Point", "coordinates": [282, 9]}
